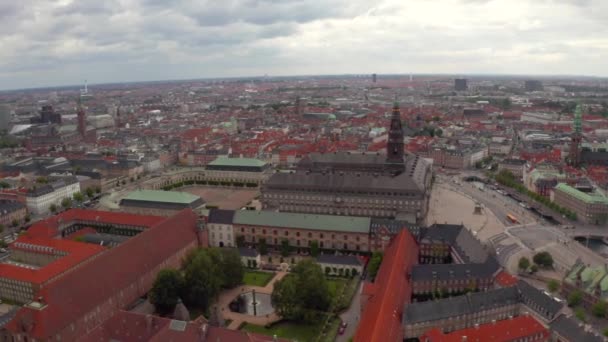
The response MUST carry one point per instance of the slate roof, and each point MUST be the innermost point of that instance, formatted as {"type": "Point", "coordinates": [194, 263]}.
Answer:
{"type": "Point", "coordinates": [221, 216]}
{"type": "Point", "coordinates": [248, 252]}
{"type": "Point", "coordinates": [460, 238]}
{"type": "Point", "coordinates": [343, 158]}
{"type": "Point", "coordinates": [533, 295]}
{"type": "Point", "coordinates": [460, 305]}
{"type": "Point", "coordinates": [349, 260]}
{"type": "Point", "coordinates": [571, 330]}
{"type": "Point", "coordinates": [345, 182]}
{"type": "Point", "coordinates": [8, 206]}
{"type": "Point", "coordinates": [452, 271]}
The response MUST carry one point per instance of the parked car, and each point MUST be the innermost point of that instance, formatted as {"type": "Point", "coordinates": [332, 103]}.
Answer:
{"type": "Point", "coordinates": [342, 329]}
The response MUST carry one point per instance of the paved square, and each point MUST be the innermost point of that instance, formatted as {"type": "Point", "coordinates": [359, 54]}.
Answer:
{"type": "Point", "coordinates": [223, 197]}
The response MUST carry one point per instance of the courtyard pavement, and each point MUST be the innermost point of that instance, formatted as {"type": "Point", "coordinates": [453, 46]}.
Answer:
{"type": "Point", "coordinates": [238, 318]}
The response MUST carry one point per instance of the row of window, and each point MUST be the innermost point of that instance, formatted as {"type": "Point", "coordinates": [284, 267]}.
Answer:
{"type": "Point", "coordinates": [297, 234]}
{"type": "Point", "coordinates": [346, 192]}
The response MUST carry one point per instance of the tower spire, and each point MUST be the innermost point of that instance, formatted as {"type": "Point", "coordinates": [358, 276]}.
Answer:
{"type": "Point", "coordinates": [577, 136]}
{"type": "Point", "coordinates": [394, 146]}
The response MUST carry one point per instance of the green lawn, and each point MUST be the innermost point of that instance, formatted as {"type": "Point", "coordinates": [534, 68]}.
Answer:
{"type": "Point", "coordinates": [288, 330]}
{"type": "Point", "coordinates": [257, 278]}
{"type": "Point", "coordinates": [335, 285]}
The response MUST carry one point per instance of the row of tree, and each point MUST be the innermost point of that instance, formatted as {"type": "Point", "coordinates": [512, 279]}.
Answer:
{"type": "Point", "coordinates": [77, 197]}
{"type": "Point", "coordinates": [540, 259]}
{"type": "Point", "coordinates": [205, 272]}
{"type": "Point", "coordinates": [599, 309]}
{"type": "Point", "coordinates": [202, 182]}
{"type": "Point", "coordinates": [506, 178]}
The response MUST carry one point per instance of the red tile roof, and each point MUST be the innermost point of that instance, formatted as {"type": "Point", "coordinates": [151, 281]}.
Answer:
{"type": "Point", "coordinates": [381, 319]}
{"type": "Point", "coordinates": [49, 227]}
{"type": "Point", "coordinates": [506, 330]}
{"type": "Point", "coordinates": [77, 252]}
{"type": "Point", "coordinates": [75, 294]}
{"type": "Point", "coordinates": [505, 279]}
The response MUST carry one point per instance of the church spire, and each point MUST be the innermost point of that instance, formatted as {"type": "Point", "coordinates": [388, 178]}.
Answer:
{"type": "Point", "coordinates": [394, 147]}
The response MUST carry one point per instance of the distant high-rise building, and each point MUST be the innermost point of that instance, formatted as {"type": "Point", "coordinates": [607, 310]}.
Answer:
{"type": "Point", "coordinates": [374, 77]}
{"type": "Point", "coordinates": [533, 85]}
{"type": "Point", "coordinates": [460, 84]}
{"type": "Point", "coordinates": [5, 117]}
{"type": "Point", "coordinates": [577, 137]}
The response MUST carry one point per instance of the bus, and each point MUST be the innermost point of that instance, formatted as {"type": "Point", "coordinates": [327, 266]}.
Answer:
{"type": "Point", "coordinates": [512, 218]}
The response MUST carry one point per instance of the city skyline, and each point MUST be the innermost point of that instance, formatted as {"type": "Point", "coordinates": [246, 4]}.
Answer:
{"type": "Point", "coordinates": [61, 43]}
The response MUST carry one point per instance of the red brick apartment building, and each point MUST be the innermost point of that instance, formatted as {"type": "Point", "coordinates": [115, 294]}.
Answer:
{"type": "Point", "coordinates": [75, 304]}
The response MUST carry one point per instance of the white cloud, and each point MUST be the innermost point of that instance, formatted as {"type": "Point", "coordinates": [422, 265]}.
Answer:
{"type": "Point", "coordinates": [50, 42]}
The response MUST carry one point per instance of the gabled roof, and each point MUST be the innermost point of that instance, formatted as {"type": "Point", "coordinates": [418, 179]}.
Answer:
{"type": "Point", "coordinates": [221, 216]}
{"type": "Point", "coordinates": [531, 294]}
{"type": "Point", "coordinates": [76, 253]}
{"type": "Point", "coordinates": [570, 329]}
{"type": "Point", "coordinates": [349, 260]}
{"type": "Point", "coordinates": [346, 224]}
{"type": "Point", "coordinates": [73, 295]}
{"type": "Point", "coordinates": [381, 320]}
{"type": "Point", "coordinates": [506, 330]}
{"type": "Point", "coordinates": [50, 226]}
{"type": "Point", "coordinates": [347, 182]}
{"type": "Point", "coordinates": [461, 305]}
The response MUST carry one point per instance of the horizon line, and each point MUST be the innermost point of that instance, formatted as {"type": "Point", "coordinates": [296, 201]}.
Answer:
{"type": "Point", "coordinates": [221, 78]}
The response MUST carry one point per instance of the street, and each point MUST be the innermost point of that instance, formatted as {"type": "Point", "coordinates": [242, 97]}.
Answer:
{"type": "Point", "coordinates": [351, 316]}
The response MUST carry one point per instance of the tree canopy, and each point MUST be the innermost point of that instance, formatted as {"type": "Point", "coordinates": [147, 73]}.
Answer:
{"type": "Point", "coordinates": [374, 265]}
{"type": "Point", "coordinates": [207, 271]}
{"type": "Point", "coordinates": [575, 298]}
{"type": "Point", "coordinates": [314, 248]}
{"type": "Point", "coordinates": [553, 285]}
{"type": "Point", "coordinates": [543, 259]}
{"type": "Point", "coordinates": [524, 263]}
{"type": "Point", "coordinates": [167, 289]}
{"type": "Point", "coordinates": [78, 197]}
{"type": "Point", "coordinates": [304, 294]}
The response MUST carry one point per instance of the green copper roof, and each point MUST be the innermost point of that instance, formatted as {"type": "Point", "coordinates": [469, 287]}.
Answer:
{"type": "Point", "coordinates": [541, 174]}
{"type": "Point", "coordinates": [583, 196]}
{"type": "Point", "coordinates": [225, 161]}
{"type": "Point", "coordinates": [162, 196]}
{"type": "Point", "coordinates": [347, 224]}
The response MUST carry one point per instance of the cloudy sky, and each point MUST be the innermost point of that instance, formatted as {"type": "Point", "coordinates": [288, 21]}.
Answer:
{"type": "Point", "coordinates": [59, 42]}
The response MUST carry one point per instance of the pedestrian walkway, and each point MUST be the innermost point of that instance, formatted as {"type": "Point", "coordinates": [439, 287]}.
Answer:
{"type": "Point", "coordinates": [238, 318]}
